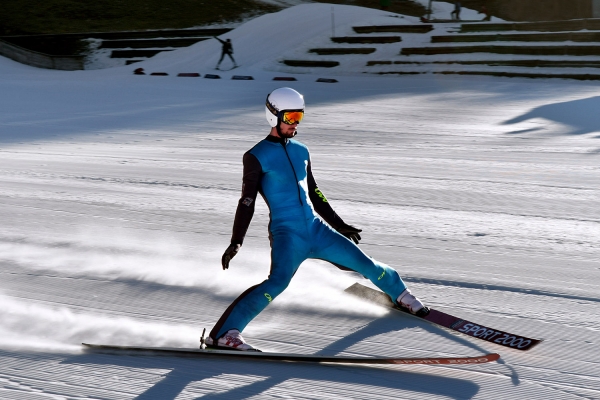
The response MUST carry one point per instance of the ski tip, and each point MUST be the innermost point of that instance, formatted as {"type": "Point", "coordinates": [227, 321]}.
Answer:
{"type": "Point", "coordinates": [534, 343]}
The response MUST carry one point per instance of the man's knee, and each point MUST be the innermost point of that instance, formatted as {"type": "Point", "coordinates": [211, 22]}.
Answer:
{"type": "Point", "coordinates": [278, 282]}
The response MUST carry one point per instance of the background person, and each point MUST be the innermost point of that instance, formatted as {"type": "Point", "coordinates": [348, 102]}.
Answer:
{"type": "Point", "coordinates": [456, 13]}
{"type": "Point", "coordinates": [226, 49]}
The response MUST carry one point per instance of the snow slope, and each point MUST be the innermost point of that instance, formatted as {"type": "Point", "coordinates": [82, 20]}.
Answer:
{"type": "Point", "coordinates": [263, 42]}
{"type": "Point", "coordinates": [118, 194]}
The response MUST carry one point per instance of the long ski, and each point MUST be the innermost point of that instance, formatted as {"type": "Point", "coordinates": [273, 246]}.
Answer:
{"type": "Point", "coordinates": [440, 318]}
{"type": "Point", "coordinates": [254, 355]}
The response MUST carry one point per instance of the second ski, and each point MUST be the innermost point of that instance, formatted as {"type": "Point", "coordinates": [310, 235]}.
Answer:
{"type": "Point", "coordinates": [440, 318]}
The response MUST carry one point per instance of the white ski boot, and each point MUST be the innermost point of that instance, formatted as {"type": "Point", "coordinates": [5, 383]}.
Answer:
{"type": "Point", "coordinates": [232, 340]}
{"type": "Point", "coordinates": [412, 304]}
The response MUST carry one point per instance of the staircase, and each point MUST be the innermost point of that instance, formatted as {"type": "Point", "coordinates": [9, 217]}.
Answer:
{"type": "Point", "coordinates": [137, 49]}
{"type": "Point", "coordinates": [352, 45]}
{"type": "Point", "coordinates": [531, 49]}
{"type": "Point", "coordinates": [556, 49]}
{"type": "Point", "coordinates": [138, 46]}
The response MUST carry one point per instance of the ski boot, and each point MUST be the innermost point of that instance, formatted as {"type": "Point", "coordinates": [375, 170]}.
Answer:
{"type": "Point", "coordinates": [232, 340]}
{"type": "Point", "coordinates": [410, 303]}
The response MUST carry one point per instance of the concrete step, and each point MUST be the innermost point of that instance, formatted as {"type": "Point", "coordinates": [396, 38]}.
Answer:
{"type": "Point", "coordinates": [544, 26]}
{"type": "Point", "coordinates": [528, 50]}
{"type": "Point", "coordinates": [532, 75]}
{"type": "Point", "coordinates": [581, 77]}
{"type": "Point", "coordinates": [165, 33]}
{"type": "Point", "coordinates": [134, 53]}
{"type": "Point", "coordinates": [452, 21]}
{"type": "Point", "coordinates": [499, 63]}
{"type": "Point", "coordinates": [310, 63]}
{"type": "Point", "coordinates": [149, 43]}
{"type": "Point", "coordinates": [424, 28]}
{"type": "Point", "coordinates": [366, 39]}
{"type": "Point", "coordinates": [342, 50]}
{"type": "Point", "coordinates": [521, 37]}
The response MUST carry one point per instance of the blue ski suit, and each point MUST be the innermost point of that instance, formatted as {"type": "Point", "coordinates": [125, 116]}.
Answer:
{"type": "Point", "coordinates": [280, 170]}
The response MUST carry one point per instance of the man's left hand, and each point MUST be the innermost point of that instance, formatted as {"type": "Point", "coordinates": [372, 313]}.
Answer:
{"type": "Point", "coordinates": [350, 232]}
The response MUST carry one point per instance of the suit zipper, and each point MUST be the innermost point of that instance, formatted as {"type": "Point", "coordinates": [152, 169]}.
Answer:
{"type": "Point", "coordinates": [294, 170]}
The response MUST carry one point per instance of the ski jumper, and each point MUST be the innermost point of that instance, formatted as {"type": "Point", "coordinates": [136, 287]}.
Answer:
{"type": "Point", "coordinates": [280, 170]}
{"type": "Point", "coordinates": [227, 49]}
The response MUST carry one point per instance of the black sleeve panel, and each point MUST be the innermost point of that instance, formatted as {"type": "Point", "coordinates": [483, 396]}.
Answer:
{"type": "Point", "coordinates": [250, 189]}
{"type": "Point", "coordinates": [320, 203]}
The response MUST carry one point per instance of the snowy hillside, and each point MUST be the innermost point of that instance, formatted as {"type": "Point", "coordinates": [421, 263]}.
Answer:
{"type": "Point", "coordinates": [119, 191]}
{"type": "Point", "coordinates": [262, 43]}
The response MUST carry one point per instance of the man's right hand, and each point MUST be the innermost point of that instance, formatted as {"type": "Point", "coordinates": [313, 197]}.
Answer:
{"type": "Point", "coordinates": [231, 251]}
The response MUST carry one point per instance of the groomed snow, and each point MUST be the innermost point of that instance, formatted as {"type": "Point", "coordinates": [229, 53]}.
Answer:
{"type": "Point", "coordinates": [118, 195]}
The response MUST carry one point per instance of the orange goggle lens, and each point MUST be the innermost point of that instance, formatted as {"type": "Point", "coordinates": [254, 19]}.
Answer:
{"type": "Point", "coordinates": [292, 117]}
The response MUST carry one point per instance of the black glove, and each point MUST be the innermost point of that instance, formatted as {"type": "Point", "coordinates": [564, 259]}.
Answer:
{"type": "Point", "coordinates": [231, 251]}
{"type": "Point", "coordinates": [350, 232]}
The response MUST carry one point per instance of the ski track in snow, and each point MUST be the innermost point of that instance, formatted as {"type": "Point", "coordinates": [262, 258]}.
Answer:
{"type": "Point", "coordinates": [118, 196]}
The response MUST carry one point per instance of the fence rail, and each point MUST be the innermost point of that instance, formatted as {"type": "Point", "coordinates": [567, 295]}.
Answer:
{"type": "Point", "coordinates": [40, 60]}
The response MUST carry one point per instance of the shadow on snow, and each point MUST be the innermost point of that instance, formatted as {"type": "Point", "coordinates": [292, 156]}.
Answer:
{"type": "Point", "coordinates": [579, 115]}
{"type": "Point", "coordinates": [184, 372]}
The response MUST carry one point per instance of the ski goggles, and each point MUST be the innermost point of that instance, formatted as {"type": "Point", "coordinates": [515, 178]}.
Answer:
{"type": "Point", "coordinates": [291, 117]}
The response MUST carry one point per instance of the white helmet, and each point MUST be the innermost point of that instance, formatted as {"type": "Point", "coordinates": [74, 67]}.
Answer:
{"type": "Point", "coordinates": [282, 99]}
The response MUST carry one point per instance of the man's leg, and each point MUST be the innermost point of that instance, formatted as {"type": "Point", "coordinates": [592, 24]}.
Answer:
{"type": "Point", "coordinates": [287, 253]}
{"type": "Point", "coordinates": [232, 59]}
{"type": "Point", "coordinates": [333, 247]}
{"type": "Point", "coordinates": [221, 59]}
